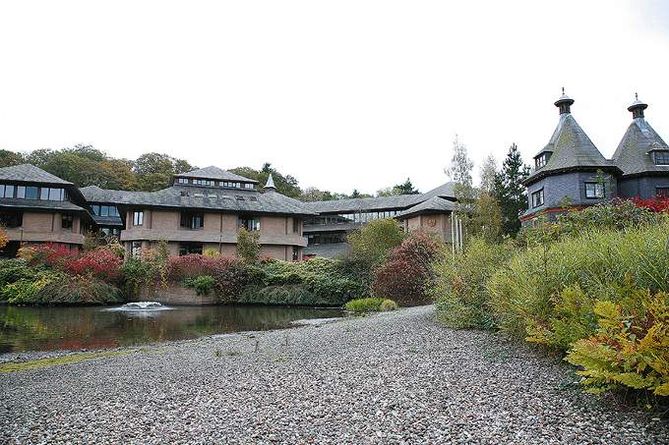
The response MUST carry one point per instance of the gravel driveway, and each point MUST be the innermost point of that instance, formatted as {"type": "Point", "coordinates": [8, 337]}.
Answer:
{"type": "Point", "coordinates": [389, 378]}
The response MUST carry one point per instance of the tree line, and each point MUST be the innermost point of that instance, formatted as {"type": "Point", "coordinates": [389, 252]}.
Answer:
{"type": "Point", "coordinates": [85, 165]}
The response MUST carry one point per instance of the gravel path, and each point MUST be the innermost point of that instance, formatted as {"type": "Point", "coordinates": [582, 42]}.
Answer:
{"type": "Point", "coordinates": [389, 378]}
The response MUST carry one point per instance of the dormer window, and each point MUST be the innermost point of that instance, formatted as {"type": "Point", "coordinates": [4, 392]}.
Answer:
{"type": "Point", "coordinates": [661, 157]}
{"type": "Point", "coordinates": [541, 160]}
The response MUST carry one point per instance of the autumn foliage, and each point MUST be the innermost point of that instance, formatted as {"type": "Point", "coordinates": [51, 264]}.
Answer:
{"type": "Point", "coordinates": [407, 274]}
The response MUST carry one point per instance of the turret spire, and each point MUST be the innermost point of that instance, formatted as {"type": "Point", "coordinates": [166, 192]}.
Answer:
{"type": "Point", "coordinates": [564, 103]}
{"type": "Point", "coordinates": [637, 107]}
{"type": "Point", "coordinates": [269, 185]}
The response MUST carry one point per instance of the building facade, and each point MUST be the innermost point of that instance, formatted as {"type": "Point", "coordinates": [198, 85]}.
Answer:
{"type": "Point", "coordinates": [38, 207]}
{"type": "Point", "coordinates": [570, 172]}
{"type": "Point", "coordinates": [434, 211]}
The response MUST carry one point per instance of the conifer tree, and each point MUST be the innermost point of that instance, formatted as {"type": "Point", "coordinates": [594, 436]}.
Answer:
{"type": "Point", "coordinates": [509, 190]}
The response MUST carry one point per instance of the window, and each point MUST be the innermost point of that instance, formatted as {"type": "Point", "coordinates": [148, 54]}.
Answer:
{"type": "Point", "coordinates": [104, 210]}
{"type": "Point", "coordinates": [30, 192]}
{"type": "Point", "coordinates": [207, 182]}
{"type": "Point", "coordinates": [538, 198]}
{"type": "Point", "coordinates": [296, 225]}
{"type": "Point", "coordinates": [662, 192]}
{"type": "Point", "coordinates": [111, 232]}
{"type": "Point", "coordinates": [250, 224]}
{"type": "Point", "coordinates": [192, 221]}
{"type": "Point", "coordinates": [11, 219]}
{"type": "Point", "coordinates": [248, 185]}
{"type": "Point", "coordinates": [138, 218]}
{"type": "Point", "coordinates": [6, 191]}
{"type": "Point", "coordinates": [541, 160]}
{"type": "Point", "coordinates": [190, 248]}
{"type": "Point", "coordinates": [136, 249]}
{"type": "Point", "coordinates": [296, 253]}
{"type": "Point", "coordinates": [67, 221]}
{"type": "Point", "coordinates": [661, 157]}
{"type": "Point", "coordinates": [594, 190]}
{"type": "Point", "coordinates": [182, 180]}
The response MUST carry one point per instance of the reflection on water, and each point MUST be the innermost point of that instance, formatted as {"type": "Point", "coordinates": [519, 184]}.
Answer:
{"type": "Point", "coordinates": [50, 328]}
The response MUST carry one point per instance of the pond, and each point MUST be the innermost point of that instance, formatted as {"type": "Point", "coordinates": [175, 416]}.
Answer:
{"type": "Point", "coordinates": [53, 328]}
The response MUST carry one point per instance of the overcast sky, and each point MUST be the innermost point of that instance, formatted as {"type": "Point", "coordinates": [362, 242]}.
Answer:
{"type": "Point", "coordinates": [340, 94]}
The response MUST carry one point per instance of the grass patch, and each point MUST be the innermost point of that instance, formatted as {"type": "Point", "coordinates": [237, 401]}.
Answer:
{"type": "Point", "coordinates": [58, 361]}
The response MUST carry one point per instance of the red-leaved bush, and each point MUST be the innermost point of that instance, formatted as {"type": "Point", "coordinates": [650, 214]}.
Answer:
{"type": "Point", "coordinates": [658, 205]}
{"type": "Point", "coordinates": [49, 254]}
{"type": "Point", "coordinates": [102, 263]}
{"type": "Point", "coordinates": [408, 272]}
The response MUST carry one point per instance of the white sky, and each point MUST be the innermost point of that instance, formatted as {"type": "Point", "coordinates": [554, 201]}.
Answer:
{"type": "Point", "coordinates": [340, 94]}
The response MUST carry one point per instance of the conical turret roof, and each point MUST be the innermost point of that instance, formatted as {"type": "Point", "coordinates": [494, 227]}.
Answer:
{"type": "Point", "coordinates": [569, 148]}
{"type": "Point", "coordinates": [634, 153]}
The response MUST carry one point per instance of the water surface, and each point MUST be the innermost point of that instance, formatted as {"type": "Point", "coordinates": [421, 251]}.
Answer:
{"type": "Point", "coordinates": [53, 328]}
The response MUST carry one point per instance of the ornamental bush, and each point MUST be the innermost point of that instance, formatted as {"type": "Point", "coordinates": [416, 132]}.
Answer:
{"type": "Point", "coordinates": [529, 295]}
{"type": "Point", "coordinates": [630, 347]}
{"type": "Point", "coordinates": [364, 305]}
{"type": "Point", "coordinates": [408, 274]}
{"type": "Point", "coordinates": [101, 263]}
{"type": "Point", "coordinates": [203, 284]}
{"type": "Point", "coordinates": [460, 292]}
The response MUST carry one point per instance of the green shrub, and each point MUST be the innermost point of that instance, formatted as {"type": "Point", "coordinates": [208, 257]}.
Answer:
{"type": "Point", "coordinates": [78, 290]}
{"type": "Point", "coordinates": [14, 270]}
{"type": "Point", "coordinates": [25, 290]}
{"type": "Point", "coordinates": [363, 305]}
{"type": "Point", "coordinates": [528, 295]}
{"type": "Point", "coordinates": [289, 294]}
{"type": "Point", "coordinates": [460, 292]}
{"type": "Point", "coordinates": [630, 347]}
{"type": "Point", "coordinates": [388, 305]}
{"type": "Point", "coordinates": [318, 281]}
{"type": "Point", "coordinates": [203, 284]}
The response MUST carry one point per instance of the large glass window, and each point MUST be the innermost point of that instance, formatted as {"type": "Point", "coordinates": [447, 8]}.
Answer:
{"type": "Point", "coordinates": [538, 198]}
{"type": "Point", "coordinates": [192, 220]}
{"type": "Point", "coordinates": [138, 218]}
{"type": "Point", "coordinates": [594, 190]}
{"type": "Point", "coordinates": [31, 192]}
{"type": "Point", "coordinates": [250, 223]}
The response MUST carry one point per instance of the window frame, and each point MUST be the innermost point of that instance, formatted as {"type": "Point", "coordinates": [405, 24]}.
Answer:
{"type": "Point", "coordinates": [665, 158]}
{"type": "Point", "coordinates": [596, 186]}
{"type": "Point", "coordinates": [138, 217]}
{"type": "Point", "coordinates": [189, 219]}
{"type": "Point", "coordinates": [67, 221]}
{"type": "Point", "coordinates": [658, 194]}
{"type": "Point", "coordinates": [255, 225]}
{"type": "Point", "coordinates": [539, 194]}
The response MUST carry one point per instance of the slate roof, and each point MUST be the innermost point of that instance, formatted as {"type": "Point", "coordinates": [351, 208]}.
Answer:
{"type": "Point", "coordinates": [632, 155]}
{"type": "Point", "coordinates": [432, 205]}
{"type": "Point", "coordinates": [37, 204]}
{"type": "Point", "coordinates": [213, 172]}
{"type": "Point", "coordinates": [29, 173]}
{"type": "Point", "coordinates": [570, 149]}
{"type": "Point", "coordinates": [205, 198]}
{"type": "Point", "coordinates": [381, 202]}
{"type": "Point", "coordinates": [94, 193]}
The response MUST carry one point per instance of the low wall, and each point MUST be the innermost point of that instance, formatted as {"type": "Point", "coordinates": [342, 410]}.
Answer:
{"type": "Point", "coordinates": [175, 295]}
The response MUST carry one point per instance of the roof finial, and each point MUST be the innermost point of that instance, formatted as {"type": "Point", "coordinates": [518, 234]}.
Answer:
{"type": "Point", "coordinates": [269, 185]}
{"type": "Point", "coordinates": [637, 107]}
{"type": "Point", "coordinates": [564, 103]}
